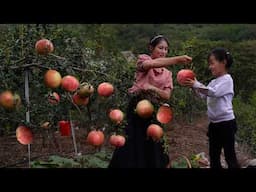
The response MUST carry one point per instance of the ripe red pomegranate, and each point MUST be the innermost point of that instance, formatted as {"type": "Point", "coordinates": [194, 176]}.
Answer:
{"type": "Point", "coordinates": [24, 135]}
{"type": "Point", "coordinates": [117, 140]}
{"type": "Point", "coordinates": [44, 47]}
{"type": "Point", "coordinates": [164, 114]}
{"type": "Point", "coordinates": [52, 78]}
{"type": "Point", "coordinates": [102, 136]}
{"type": "Point", "coordinates": [54, 98]}
{"type": "Point", "coordinates": [95, 138]}
{"type": "Point", "coordinates": [105, 89]}
{"type": "Point", "coordinates": [116, 116]}
{"type": "Point", "coordinates": [85, 90]}
{"type": "Point", "coordinates": [65, 128]}
{"type": "Point", "coordinates": [80, 100]}
{"type": "Point", "coordinates": [69, 83]}
{"type": "Point", "coordinates": [144, 108]}
{"type": "Point", "coordinates": [184, 74]}
{"type": "Point", "coordinates": [155, 131]}
{"type": "Point", "coordinates": [7, 100]}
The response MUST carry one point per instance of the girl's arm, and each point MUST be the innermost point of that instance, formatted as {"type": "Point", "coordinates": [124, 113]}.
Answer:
{"type": "Point", "coordinates": [217, 90]}
{"type": "Point", "coordinates": [164, 62]}
{"type": "Point", "coordinates": [200, 90]}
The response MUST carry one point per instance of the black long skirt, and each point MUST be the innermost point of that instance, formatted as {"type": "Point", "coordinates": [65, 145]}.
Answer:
{"type": "Point", "coordinates": [139, 150]}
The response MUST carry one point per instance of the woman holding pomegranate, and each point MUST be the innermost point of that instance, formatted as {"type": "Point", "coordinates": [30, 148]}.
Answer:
{"type": "Point", "coordinates": [219, 94]}
{"type": "Point", "coordinates": [153, 84]}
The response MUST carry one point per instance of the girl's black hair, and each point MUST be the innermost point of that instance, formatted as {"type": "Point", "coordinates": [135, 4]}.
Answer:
{"type": "Point", "coordinates": [221, 54]}
{"type": "Point", "coordinates": [157, 39]}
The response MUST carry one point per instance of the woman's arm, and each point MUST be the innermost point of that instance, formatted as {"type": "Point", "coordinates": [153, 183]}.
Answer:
{"type": "Point", "coordinates": [164, 94]}
{"type": "Point", "coordinates": [164, 62]}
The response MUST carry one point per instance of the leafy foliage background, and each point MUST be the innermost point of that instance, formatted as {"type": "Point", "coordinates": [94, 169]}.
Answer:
{"type": "Point", "coordinates": [92, 53]}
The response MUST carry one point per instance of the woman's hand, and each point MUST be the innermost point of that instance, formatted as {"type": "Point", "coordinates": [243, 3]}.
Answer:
{"type": "Point", "coordinates": [148, 86]}
{"type": "Point", "coordinates": [163, 94]}
{"type": "Point", "coordinates": [184, 59]}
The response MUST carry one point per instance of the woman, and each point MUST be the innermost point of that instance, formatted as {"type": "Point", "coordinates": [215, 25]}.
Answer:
{"type": "Point", "coordinates": [153, 82]}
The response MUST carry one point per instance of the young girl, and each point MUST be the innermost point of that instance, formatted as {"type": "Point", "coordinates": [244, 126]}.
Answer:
{"type": "Point", "coordinates": [219, 94]}
{"type": "Point", "coordinates": [152, 79]}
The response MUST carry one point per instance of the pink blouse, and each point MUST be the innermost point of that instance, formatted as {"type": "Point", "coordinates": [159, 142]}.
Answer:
{"type": "Point", "coordinates": [158, 77]}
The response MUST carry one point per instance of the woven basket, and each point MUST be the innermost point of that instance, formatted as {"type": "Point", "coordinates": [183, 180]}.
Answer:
{"type": "Point", "coordinates": [179, 156]}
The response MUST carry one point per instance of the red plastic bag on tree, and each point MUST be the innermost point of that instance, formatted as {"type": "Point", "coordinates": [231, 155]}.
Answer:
{"type": "Point", "coordinates": [65, 128]}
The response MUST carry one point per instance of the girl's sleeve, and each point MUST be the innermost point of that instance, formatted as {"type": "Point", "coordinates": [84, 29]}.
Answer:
{"type": "Point", "coordinates": [218, 90]}
{"type": "Point", "coordinates": [200, 89]}
{"type": "Point", "coordinates": [222, 88]}
{"type": "Point", "coordinates": [141, 59]}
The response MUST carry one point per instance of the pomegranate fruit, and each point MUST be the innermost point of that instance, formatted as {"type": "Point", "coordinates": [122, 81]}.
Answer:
{"type": "Point", "coordinates": [80, 100]}
{"type": "Point", "coordinates": [69, 83]}
{"type": "Point", "coordinates": [44, 47]}
{"type": "Point", "coordinates": [105, 89]}
{"type": "Point", "coordinates": [54, 98]}
{"type": "Point", "coordinates": [117, 140]}
{"type": "Point", "coordinates": [116, 116]}
{"type": "Point", "coordinates": [164, 114]}
{"type": "Point", "coordinates": [155, 131]}
{"type": "Point", "coordinates": [85, 90]}
{"type": "Point", "coordinates": [45, 125]}
{"type": "Point", "coordinates": [24, 135]}
{"type": "Point", "coordinates": [95, 138]}
{"type": "Point", "coordinates": [185, 74]}
{"type": "Point", "coordinates": [144, 108]}
{"type": "Point", "coordinates": [7, 100]}
{"type": "Point", "coordinates": [52, 79]}
{"type": "Point", "coordinates": [17, 100]}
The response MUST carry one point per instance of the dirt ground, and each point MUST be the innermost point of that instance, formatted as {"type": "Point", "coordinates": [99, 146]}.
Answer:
{"type": "Point", "coordinates": [188, 139]}
{"type": "Point", "coordinates": [184, 139]}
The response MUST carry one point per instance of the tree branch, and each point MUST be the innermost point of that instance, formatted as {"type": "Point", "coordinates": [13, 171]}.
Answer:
{"type": "Point", "coordinates": [91, 71]}
{"type": "Point", "coordinates": [29, 65]}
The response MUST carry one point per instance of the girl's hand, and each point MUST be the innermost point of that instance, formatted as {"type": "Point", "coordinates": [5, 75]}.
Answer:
{"type": "Point", "coordinates": [189, 82]}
